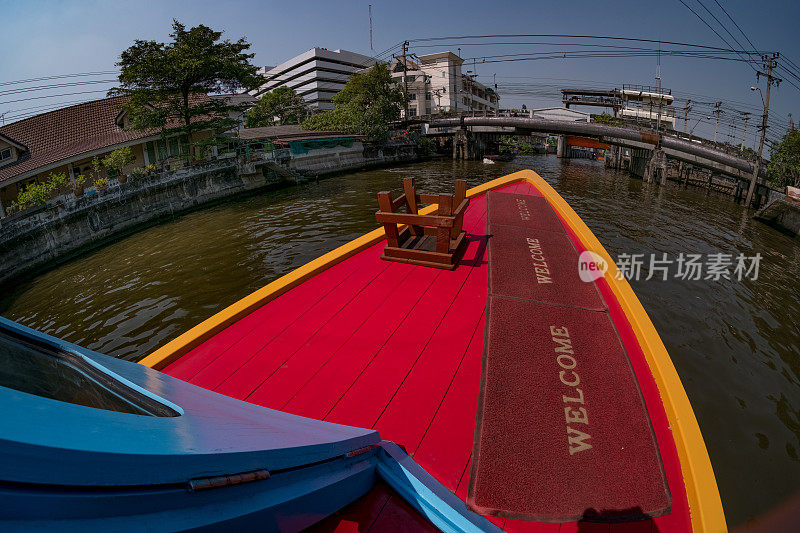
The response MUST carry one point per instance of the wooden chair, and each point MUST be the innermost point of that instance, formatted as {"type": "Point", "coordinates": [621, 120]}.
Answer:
{"type": "Point", "coordinates": [435, 240]}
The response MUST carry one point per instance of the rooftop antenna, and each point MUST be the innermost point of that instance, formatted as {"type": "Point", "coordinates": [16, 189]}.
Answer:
{"type": "Point", "coordinates": [658, 77]}
{"type": "Point", "coordinates": [370, 28]}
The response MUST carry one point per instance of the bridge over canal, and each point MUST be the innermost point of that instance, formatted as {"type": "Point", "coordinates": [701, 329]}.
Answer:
{"type": "Point", "coordinates": [654, 147]}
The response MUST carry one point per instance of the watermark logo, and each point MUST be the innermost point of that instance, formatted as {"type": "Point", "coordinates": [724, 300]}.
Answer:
{"type": "Point", "coordinates": [687, 267]}
{"type": "Point", "coordinates": [591, 266]}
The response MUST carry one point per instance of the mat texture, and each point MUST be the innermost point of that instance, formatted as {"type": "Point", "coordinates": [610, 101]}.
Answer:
{"type": "Point", "coordinates": [538, 265]}
{"type": "Point", "coordinates": [522, 210]}
{"type": "Point", "coordinates": [562, 432]}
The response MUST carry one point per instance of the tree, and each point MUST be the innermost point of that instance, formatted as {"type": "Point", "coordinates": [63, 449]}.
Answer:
{"type": "Point", "coordinates": [281, 106]}
{"type": "Point", "coordinates": [605, 118]}
{"type": "Point", "coordinates": [784, 163]}
{"type": "Point", "coordinates": [366, 105]}
{"type": "Point", "coordinates": [167, 83]}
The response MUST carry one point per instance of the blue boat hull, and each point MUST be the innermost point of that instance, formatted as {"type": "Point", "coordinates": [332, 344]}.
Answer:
{"type": "Point", "coordinates": [104, 444]}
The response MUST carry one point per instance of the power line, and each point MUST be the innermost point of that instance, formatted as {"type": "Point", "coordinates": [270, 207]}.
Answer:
{"type": "Point", "coordinates": [49, 96]}
{"type": "Point", "coordinates": [710, 27]}
{"type": "Point", "coordinates": [53, 86]}
{"type": "Point", "coordinates": [737, 26]}
{"type": "Point", "coordinates": [569, 36]}
{"type": "Point", "coordinates": [60, 76]}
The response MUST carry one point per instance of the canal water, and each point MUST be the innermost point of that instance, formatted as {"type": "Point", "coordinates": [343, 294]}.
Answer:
{"type": "Point", "coordinates": [735, 344]}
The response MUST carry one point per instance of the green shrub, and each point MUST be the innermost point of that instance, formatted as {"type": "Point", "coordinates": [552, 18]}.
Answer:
{"type": "Point", "coordinates": [38, 193]}
{"type": "Point", "coordinates": [138, 173]}
{"type": "Point", "coordinates": [119, 159]}
{"type": "Point", "coordinates": [426, 146]}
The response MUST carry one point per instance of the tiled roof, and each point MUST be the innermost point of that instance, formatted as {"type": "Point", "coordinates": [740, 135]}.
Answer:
{"type": "Point", "coordinates": [68, 132]}
{"type": "Point", "coordinates": [236, 99]}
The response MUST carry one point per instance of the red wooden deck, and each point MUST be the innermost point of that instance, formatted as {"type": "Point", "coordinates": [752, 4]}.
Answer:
{"type": "Point", "coordinates": [397, 348]}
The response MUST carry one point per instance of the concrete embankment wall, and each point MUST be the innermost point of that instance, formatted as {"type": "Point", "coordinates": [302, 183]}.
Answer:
{"type": "Point", "coordinates": [783, 214]}
{"type": "Point", "coordinates": [347, 158]}
{"type": "Point", "coordinates": [64, 227]}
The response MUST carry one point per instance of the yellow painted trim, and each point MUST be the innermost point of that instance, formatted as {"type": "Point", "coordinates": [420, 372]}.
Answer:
{"type": "Point", "coordinates": [704, 500]}
{"type": "Point", "coordinates": [705, 504]}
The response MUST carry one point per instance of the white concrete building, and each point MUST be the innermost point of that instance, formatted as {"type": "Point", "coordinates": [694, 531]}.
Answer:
{"type": "Point", "coordinates": [436, 84]}
{"type": "Point", "coordinates": [644, 104]}
{"type": "Point", "coordinates": [316, 75]}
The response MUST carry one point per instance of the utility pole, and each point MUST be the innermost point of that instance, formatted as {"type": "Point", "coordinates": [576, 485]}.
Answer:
{"type": "Point", "coordinates": [405, 77]}
{"type": "Point", "coordinates": [658, 77]}
{"type": "Point", "coordinates": [370, 28]}
{"type": "Point", "coordinates": [474, 77]}
{"type": "Point", "coordinates": [457, 79]}
{"type": "Point", "coordinates": [744, 133]}
{"type": "Point", "coordinates": [770, 64]}
{"type": "Point", "coordinates": [717, 111]}
{"type": "Point", "coordinates": [686, 109]}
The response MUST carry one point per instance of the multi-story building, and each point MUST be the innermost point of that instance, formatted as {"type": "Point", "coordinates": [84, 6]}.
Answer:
{"type": "Point", "coordinates": [634, 104]}
{"type": "Point", "coordinates": [436, 84]}
{"type": "Point", "coordinates": [649, 105]}
{"type": "Point", "coordinates": [316, 75]}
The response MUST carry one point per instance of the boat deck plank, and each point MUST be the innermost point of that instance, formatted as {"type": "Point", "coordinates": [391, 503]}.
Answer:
{"type": "Point", "coordinates": [396, 347]}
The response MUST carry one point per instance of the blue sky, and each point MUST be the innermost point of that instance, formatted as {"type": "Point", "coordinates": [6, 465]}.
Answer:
{"type": "Point", "coordinates": [61, 37]}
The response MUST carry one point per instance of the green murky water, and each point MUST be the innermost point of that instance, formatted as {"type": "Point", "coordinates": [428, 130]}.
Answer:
{"type": "Point", "coordinates": [736, 345]}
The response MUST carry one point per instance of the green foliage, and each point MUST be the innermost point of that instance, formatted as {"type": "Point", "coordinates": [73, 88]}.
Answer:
{"type": "Point", "coordinates": [167, 82]}
{"type": "Point", "coordinates": [449, 113]}
{"type": "Point", "coordinates": [365, 106]}
{"type": "Point", "coordinates": [138, 173]}
{"type": "Point", "coordinates": [426, 146]}
{"type": "Point", "coordinates": [119, 159]}
{"type": "Point", "coordinates": [784, 164]}
{"type": "Point", "coordinates": [101, 183]}
{"type": "Point", "coordinates": [605, 118]}
{"type": "Point", "coordinates": [281, 106]}
{"type": "Point", "coordinates": [38, 193]}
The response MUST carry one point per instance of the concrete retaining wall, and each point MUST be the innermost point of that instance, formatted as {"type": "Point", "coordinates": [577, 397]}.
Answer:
{"type": "Point", "coordinates": [343, 158]}
{"type": "Point", "coordinates": [62, 227]}
{"type": "Point", "coordinates": [66, 226]}
{"type": "Point", "coordinates": [783, 214]}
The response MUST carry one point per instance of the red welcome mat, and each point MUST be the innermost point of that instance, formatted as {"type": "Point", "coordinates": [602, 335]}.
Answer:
{"type": "Point", "coordinates": [522, 210]}
{"type": "Point", "coordinates": [562, 432]}
{"type": "Point", "coordinates": [538, 265]}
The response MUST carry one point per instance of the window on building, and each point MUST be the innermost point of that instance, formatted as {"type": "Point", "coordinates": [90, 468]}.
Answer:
{"type": "Point", "coordinates": [412, 96]}
{"type": "Point", "coordinates": [427, 110]}
{"type": "Point", "coordinates": [151, 152]}
{"type": "Point", "coordinates": [410, 79]}
{"type": "Point", "coordinates": [428, 96]}
{"type": "Point", "coordinates": [5, 154]}
{"type": "Point", "coordinates": [412, 111]}
{"type": "Point", "coordinates": [162, 149]}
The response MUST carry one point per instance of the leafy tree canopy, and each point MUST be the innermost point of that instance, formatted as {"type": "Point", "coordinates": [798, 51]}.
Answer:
{"type": "Point", "coordinates": [605, 118]}
{"type": "Point", "coordinates": [281, 106]}
{"type": "Point", "coordinates": [366, 105]}
{"type": "Point", "coordinates": [784, 164]}
{"type": "Point", "coordinates": [167, 82]}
